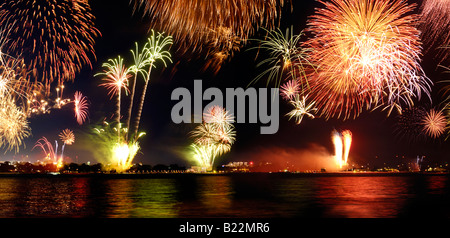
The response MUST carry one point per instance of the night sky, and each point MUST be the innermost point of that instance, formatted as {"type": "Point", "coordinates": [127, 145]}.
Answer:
{"type": "Point", "coordinates": [374, 137]}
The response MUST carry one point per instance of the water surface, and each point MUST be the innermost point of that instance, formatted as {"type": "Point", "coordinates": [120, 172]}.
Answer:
{"type": "Point", "coordinates": [230, 196]}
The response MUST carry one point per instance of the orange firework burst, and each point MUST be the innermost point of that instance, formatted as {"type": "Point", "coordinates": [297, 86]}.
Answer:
{"type": "Point", "coordinates": [215, 28]}
{"type": "Point", "coordinates": [366, 55]}
{"type": "Point", "coordinates": [67, 137]}
{"type": "Point", "coordinates": [81, 107]}
{"type": "Point", "coordinates": [55, 37]}
{"type": "Point", "coordinates": [434, 123]}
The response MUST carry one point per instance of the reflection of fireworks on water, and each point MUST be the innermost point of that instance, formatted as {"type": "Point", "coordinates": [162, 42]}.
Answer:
{"type": "Point", "coordinates": [81, 107]}
{"type": "Point", "coordinates": [55, 37]}
{"type": "Point", "coordinates": [342, 143]}
{"type": "Point", "coordinates": [367, 55]}
{"type": "Point", "coordinates": [213, 137]}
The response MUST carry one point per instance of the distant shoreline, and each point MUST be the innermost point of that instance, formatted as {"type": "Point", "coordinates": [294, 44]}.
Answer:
{"type": "Point", "coordinates": [256, 174]}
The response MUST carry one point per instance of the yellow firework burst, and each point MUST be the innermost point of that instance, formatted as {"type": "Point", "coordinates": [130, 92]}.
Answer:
{"type": "Point", "coordinates": [67, 136]}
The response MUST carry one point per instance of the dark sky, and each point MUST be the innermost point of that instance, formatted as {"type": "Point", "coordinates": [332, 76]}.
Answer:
{"type": "Point", "coordinates": [165, 142]}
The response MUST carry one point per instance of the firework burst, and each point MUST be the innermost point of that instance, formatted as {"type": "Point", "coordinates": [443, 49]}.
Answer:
{"type": "Point", "coordinates": [14, 126]}
{"type": "Point", "coordinates": [154, 51]}
{"type": "Point", "coordinates": [81, 107]}
{"type": "Point", "coordinates": [366, 55]}
{"type": "Point", "coordinates": [434, 123]}
{"type": "Point", "coordinates": [55, 37]}
{"type": "Point", "coordinates": [287, 59]}
{"type": "Point", "coordinates": [117, 154]}
{"type": "Point", "coordinates": [213, 137]}
{"type": "Point", "coordinates": [214, 29]}
{"type": "Point", "coordinates": [301, 108]}
{"type": "Point", "coordinates": [116, 78]}
{"type": "Point", "coordinates": [290, 89]}
{"type": "Point", "coordinates": [67, 137]}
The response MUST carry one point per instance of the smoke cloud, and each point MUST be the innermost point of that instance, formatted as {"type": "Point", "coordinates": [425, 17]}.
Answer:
{"type": "Point", "coordinates": [273, 159]}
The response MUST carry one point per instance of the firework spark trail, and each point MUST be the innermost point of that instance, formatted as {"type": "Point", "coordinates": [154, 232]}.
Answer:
{"type": "Point", "coordinates": [126, 146]}
{"type": "Point", "coordinates": [342, 143]}
{"type": "Point", "coordinates": [408, 126]}
{"type": "Point", "coordinates": [347, 138]}
{"type": "Point", "coordinates": [81, 107]}
{"type": "Point", "coordinates": [116, 78]}
{"type": "Point", "coordinates": [419, 124]}
{"type": "Point", "coordinates": [215, 29]}
{"type": "Point", "coordinates": [155, 51]}
{"type": "Point", "coordinates": [301, 108]}
{"type": "Point", "coordinates": [367, 55]}
{"type": "Point", "coordinates": [287, 58]}
{"type": "Point", "coordinates": [55, 37]}
{"type": "Point", "coordinates": [140, 62]}
{"type": "Point", "coordinates": [47, 148]}
{"type": "Point", "coordinates": [435, 26]}
{"type": "Point", "coordinates": [338, 147]}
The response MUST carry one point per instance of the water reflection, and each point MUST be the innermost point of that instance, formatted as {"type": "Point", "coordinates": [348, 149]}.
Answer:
{"type": "Point", "coordinates": [362, 197]}
{"type": "Point", "coordinates": [243, 196]}
{"type": "Point", "coordinates": [140, 198]}
{"type": "Point", "coordinates": [42, 197]}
